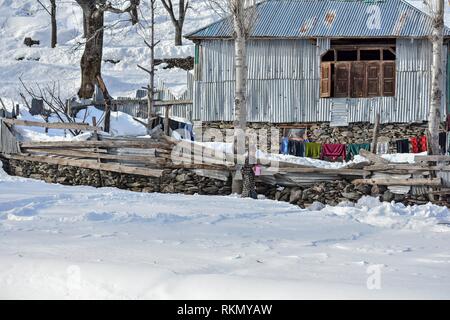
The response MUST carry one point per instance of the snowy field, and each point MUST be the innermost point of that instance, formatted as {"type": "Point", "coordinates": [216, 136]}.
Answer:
{"type": "Point", "coordinates": [81, 242]}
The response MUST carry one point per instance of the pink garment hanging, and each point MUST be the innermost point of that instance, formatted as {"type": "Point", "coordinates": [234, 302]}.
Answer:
{"type": "Point", "coordinates": [257, 170]}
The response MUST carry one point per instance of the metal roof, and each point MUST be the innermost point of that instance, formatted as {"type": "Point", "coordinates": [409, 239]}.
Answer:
{"type": "Point", "coordinates": [329, 19]}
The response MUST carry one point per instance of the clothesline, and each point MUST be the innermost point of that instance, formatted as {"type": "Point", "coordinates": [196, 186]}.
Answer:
{"type": "Point", "coordinates": [346, 152]}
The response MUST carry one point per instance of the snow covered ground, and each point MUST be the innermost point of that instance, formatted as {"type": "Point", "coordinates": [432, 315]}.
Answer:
{"type": "Point", "coordinates": [81, 242]}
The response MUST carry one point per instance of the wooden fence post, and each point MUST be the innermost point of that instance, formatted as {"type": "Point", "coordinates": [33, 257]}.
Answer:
{"type": "Point", "coordinates": [376, 131]}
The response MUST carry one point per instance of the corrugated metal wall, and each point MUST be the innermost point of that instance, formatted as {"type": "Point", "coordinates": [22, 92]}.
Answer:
{"type": "Point", "coordinates": [284, 83]}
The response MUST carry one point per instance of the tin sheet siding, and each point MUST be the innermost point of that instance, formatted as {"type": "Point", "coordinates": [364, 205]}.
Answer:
{"type": "Point", "coordinates": [329, 19]}
{"type": "Point", "coordinates": [284, 84]}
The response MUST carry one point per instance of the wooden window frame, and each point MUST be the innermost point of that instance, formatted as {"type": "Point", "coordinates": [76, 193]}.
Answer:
{"type": "Point", "coordinates": [331, 90]}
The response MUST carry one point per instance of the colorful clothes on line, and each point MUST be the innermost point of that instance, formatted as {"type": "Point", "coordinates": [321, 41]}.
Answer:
{"type": "Point", "coordinates": [313, 150]}
{"type": "Point", "coordinates": [423, 144]}
{"type": "Point", "coordinates": [414, 144]}
{"type": "Point", "coordinates": [402, 146]}
{"type": "Point", "coordinates": [284, 149]}
{"type": "Point", "coordinates": [296, 148]}
{"type": "Point", "coordinates": [353, 149]}
{"type": "Point", "coordinates": [333, 151]}
{"type": "Point", "coordinates": [448, 143]}
{"type": "Point", "coordinates": [382, 147]}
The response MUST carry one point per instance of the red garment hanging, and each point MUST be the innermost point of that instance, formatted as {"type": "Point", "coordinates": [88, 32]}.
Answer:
{"type": "Point", "coordinates": [415, 145]}
{"type": "Point", "coordinates": [423, 144]}
{"type": "Point", "coordinates": [333, 151]}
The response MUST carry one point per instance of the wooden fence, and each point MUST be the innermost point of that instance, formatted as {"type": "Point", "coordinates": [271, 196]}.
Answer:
{"type": "Point", "coordinates": [150, 157]}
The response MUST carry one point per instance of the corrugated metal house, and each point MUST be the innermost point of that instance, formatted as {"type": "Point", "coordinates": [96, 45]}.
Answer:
{"type": "Point", "coordinates": [321, 60]}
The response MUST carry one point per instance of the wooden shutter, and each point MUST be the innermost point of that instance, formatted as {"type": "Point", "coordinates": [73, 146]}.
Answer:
{"type": "Point", "coordinates": [342, 80]}
{"type": "Point", "coordinates": [358, 80]}
{"type": "Point", "coordinates": [388, 79]}
{"type": "Point", "coordinates": [325, 80]}
{"type": "Point", "coordinates": [373, 79]}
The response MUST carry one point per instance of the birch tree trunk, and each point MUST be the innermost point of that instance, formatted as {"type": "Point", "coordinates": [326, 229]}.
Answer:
{"type": "Point", "coordinates": [436, 76]}
{"type": "Point", "coordinates": [242, 27]}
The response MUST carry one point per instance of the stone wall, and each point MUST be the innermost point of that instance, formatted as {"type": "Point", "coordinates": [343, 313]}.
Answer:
{"type": "Point", "coordinates": [171, 181]}
{"type": "Point", "coordinates": [354, 133]}
{"type": "Point", "coordinates": [335, 192]}
{"type": "Point", "coordinates": [187, 182]}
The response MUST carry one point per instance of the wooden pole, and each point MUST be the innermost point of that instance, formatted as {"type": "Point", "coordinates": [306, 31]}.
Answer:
{"type": "Point", "coordinates": [376, 131]}
{"type": "Point", "coordinates": [167, 121]}
{"type": "Point", "coordinates": [108, 100]}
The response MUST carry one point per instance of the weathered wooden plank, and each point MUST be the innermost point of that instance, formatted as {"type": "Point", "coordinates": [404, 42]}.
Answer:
{"type": "Point", "coordinates": [54, 125]}
{"type": "Point", "coordinates": [436, 158]}
{"type": "Point", "coordinates": [342, 172]}
{"type": "Point", "coordinates": [93, 143]}
{"type": "Point", "coordinates": [97, 155]}
{"type": "Point", "coordinates": [89, 165]}
{"type": "Point", "coordinates": [436, 182]}
{"type": "Point", "coordinates": [407, 167]}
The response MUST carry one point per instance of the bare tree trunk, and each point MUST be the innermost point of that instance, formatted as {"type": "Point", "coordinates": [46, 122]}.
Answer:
{"type": "Point", "coordinates": [436, 76]}
{"type": "Point", "coordinates": [54, 40]}
{"type": "Point", "coordinates": [91, 61]}
{"type": "Point", "coordinates": [178, 23]}
{"type": "Point", "coordinates": [85, 28]}
{"type": "Point", "coordinates": [178, 35]}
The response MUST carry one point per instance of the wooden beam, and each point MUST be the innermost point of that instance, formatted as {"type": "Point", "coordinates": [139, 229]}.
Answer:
{"type": "Point", "coordinates": [342, 172]}
{"type": "Point", "coordinates": [90, 144]}
{"type": "Point", "coordinates": [54, 125]}
{"type": "Point", "coordinates": [406, 167]}
{"type": "Point", "coordinates": [436, 158]}
{"type": "Point", "coordinates": [376, 131]}
{"type": "Point", "coordinates": [97, 155]}
{"type": "Point", "coordinates": [89, 165]}
{"type": "Point", "coordinates": [436, 182]}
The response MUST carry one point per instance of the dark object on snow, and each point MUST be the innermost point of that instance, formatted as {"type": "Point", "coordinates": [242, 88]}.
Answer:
{"type": "Point", "coordinates": [30, 42]}
{"type": "Point", "coordinates": [37, 107]}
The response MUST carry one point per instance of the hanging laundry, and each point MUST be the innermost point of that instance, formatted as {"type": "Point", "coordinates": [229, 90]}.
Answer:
{"type": "Point", "coordinates": [353, 149]}
{"type": "Point", "coordinates": [448, 122]}
{"type": "Point", "coordinates": [443, 142]}
{"type": "Point", "coordinates": [284, 146]}
{"type": "Point", "coordinates": [423, 144]}
{"type": "Point", "coordinates": [300, 149]}
{"type": "Point", "coordinates": [296, 148]}
{"type": "Point", "coordinates": [313, 150]}
{"type": "Point", "coordinates": [448, 143]}
{"type": "Point", "coordinates": [382, 147]}
{"type": "Point", "coordinates": [414, 144]}
{"type": "Point", "coordinates": [402, 146]}
{"type": "Point", "coordinates": [257, 170]}
{"type": "Point", "coordinates": [333, 151]}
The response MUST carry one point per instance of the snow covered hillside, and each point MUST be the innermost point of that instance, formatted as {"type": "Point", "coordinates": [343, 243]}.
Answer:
{"type": "Point", "coordinates": [41, 64]}
{"type": "Point", "coordinates": [81, 242]}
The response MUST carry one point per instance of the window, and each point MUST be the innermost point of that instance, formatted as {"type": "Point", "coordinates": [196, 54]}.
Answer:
{"type": "Point", "coordinates": [358, 72]}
